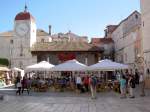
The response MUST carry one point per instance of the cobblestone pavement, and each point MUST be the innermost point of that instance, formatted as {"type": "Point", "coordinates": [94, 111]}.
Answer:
{"type": "Point", "coordinates": [72, 102]}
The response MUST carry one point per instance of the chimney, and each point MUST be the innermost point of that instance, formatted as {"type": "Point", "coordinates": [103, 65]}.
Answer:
{"type": "Point", "coordinates": [50, 29]}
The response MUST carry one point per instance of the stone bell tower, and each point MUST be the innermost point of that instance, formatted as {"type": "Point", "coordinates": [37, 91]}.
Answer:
{"type": "Point", "coordinates": [23, 39]}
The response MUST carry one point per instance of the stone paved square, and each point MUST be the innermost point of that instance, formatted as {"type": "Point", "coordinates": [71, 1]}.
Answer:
{"type": "Point", "coordinates": [73, 102]}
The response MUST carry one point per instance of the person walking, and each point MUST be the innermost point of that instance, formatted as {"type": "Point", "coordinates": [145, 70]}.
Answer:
{"type": "Point", "coordinates": [93, 83]}
{"type": "Point", "coordinates": [29, 83]}
{"type": "Point", "coordinates": [19, 85]}
{"type": "Point", "coordinates": [131, 84]}
{"type": "Point", "coordinates": [79, 83]}
{"type": "Point", "coordinates": [127, 74]}
{"type": "Point", "coordinates": [142, 84]}
{"type": "Point", "coordinates": [123, 86]}
{"type": "Point", "coordinates": [86, 83]}
{"type": "Point", "coordinates": [136, 76]}
{"type": "Point", "coordinates": [25, 85]}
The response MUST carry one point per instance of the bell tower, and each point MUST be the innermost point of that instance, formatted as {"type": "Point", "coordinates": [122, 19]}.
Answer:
{"type": "Point", "coordinates": [23, 39]}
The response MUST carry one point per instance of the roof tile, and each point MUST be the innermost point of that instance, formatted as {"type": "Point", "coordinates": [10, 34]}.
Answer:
{"type": "Point", "coordinates": [65, 46]}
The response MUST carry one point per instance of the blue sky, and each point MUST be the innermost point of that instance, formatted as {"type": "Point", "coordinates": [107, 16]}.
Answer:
{"type": "Point", "coordinates": [83, 17]}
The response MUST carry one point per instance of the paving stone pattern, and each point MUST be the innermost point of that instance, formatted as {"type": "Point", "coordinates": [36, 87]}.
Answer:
{"type": "Point", "coordinates": [72, 102]}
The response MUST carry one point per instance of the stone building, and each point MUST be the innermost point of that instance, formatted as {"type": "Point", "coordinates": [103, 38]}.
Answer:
{"type": "Point", "coordinates": [6, 44]}
{"type": "Point", "coordinates": [59, 51]}
{"type": "Point", "coordinates": [109, 30]}
{"type": "Point", "coordinates": [69, 36]}
{"type": "Point", "coordinates": [108, 46]}
{"type": "Point", "coordinates": [42, 36]}
{"type": "Point", "coordinates": [145, 10]}
{"type": "Point", "coordinates": [127, 40]}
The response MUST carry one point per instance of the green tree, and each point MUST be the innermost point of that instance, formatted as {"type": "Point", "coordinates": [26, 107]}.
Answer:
{"type": "Point", "coordinates": [4, 61]}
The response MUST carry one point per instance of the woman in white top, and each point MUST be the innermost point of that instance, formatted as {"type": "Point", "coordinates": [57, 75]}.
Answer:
{"type": "Point", "coordinates": [19, 86]}
{"type": "Point", "coordinates": [78, 82]}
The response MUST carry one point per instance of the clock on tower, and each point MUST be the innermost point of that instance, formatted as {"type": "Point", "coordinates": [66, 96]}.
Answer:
{"type": "Point", "coordinates": [22, 29]}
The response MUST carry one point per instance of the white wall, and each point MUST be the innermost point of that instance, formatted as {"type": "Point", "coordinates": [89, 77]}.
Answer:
{"type": "Point", "coordinates": [32, 33]}
{"type": "Point", "coordinates": [45, 38]}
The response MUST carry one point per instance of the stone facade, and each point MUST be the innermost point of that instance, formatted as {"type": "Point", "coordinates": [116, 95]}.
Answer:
{"type": "Point", "coordinates": [6, 45]}
{"type": "Point", "coordinates": [21, 55]}
{"type": "Point", "coordinates": [127, 40]}
{"type": "Point", "coordinates": [145, 10]}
